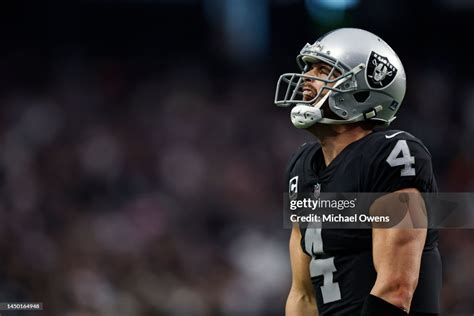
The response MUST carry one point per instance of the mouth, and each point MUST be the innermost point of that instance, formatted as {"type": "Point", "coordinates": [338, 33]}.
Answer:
{"type": "Point", "coordinates": [308, 94]}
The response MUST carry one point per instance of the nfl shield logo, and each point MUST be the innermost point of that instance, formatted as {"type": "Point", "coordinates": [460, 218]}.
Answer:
{"type": "Point", "coordinates": [317, 190]}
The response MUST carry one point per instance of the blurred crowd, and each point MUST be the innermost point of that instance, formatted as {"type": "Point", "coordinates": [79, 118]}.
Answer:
{"type": "Point", "coordinates": [160, 192]}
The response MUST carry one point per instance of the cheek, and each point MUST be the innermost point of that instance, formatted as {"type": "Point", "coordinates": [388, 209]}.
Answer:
{"type": "Point", "coordinates": [317, 84]}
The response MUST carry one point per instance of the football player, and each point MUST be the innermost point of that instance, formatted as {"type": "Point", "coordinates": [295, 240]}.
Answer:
{"type": "Point", "coordinates": [351, 82]}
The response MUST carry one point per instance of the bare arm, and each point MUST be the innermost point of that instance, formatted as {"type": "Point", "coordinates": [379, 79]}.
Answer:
{"type": "Point", "coordinates": [301, 299]}
{"type": "Point", "coordinates": [397, 251]}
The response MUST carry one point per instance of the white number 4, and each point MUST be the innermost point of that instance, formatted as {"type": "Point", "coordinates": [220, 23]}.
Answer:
{"type": "Point", "coordinates": [314, 245]}
{"type": "Point", "coordinates": [405, 160]}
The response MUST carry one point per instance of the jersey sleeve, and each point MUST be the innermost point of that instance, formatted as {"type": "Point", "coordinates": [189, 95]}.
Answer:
{"type": "Point", "coordinates": [401, 163]}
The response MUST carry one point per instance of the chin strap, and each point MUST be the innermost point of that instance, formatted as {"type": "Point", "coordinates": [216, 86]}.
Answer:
{"type": "Point", "coordinates": [304, 116]}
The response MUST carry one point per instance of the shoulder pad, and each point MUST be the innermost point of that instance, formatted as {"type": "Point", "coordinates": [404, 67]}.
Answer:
{"type": "Point", "coordinates": [302, 149]}
{"type": "Point", "coordinates": [383, 138]}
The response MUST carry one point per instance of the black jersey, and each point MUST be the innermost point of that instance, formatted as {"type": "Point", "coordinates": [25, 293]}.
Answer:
{"type": "Point", "coordinates": [341, 267]}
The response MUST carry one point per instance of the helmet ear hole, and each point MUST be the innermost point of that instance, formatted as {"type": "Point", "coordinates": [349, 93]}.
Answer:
{"type": "Point", "coordinates": [361, 96]}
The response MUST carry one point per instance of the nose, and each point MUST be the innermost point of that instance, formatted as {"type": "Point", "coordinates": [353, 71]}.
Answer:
{"type": "Point", "coordinates": [315, 84]}
{"type": "Point", "coordinates": [309, 72]}
{"type": "Point", "coordinates": [309, 80]}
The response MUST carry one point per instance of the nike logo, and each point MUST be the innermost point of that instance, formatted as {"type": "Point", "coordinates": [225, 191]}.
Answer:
{"type": "Point", "coordinates": [393, 135]}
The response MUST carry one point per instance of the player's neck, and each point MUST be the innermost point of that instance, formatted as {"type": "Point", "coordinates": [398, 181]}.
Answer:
{"type": "Point", "coordinates": [334, 138]}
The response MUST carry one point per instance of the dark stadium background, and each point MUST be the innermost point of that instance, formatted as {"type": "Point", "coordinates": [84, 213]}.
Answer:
{"type": "Point", "coordinates": [142, 157]}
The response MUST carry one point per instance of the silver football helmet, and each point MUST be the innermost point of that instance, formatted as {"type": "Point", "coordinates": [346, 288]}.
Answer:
{"type": "Point", "coordinates": [371, 84]}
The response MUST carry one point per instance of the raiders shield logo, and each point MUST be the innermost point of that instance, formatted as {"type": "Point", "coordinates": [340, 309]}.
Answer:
{"type": "Point", "coordinates": [379, 72]}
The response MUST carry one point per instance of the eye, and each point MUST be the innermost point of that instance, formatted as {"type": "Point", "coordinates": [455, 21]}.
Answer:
{"type": "Point", "coordinates": [324, 71]}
